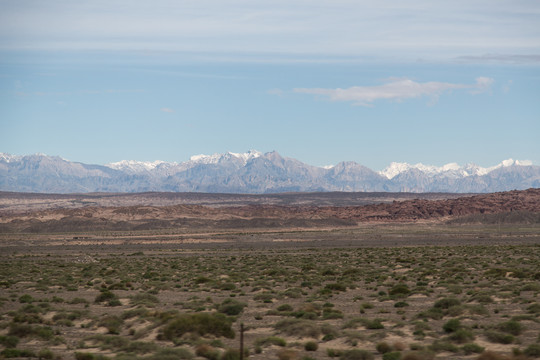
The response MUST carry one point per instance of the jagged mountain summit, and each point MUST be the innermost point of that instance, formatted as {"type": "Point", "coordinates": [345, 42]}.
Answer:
{"type": "Point", "coordinates": [255, 172]}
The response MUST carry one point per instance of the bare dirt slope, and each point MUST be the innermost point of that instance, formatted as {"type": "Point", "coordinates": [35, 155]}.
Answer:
{"type": "Point", "coordinates": [258, 212]}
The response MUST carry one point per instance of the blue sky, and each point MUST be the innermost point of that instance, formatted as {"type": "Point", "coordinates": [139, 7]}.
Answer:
{"type": "Point", "coordinates": [321, 81]}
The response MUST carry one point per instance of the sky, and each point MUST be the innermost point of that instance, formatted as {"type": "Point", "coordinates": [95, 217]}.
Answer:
{"type": "Point", "coordinates": [322, 81]}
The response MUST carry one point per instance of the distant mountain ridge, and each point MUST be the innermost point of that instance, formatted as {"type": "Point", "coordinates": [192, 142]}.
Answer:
{"type": "Point", "coordinates": [255, 172]}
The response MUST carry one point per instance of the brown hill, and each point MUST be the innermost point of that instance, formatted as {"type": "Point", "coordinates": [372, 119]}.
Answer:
{"type": "Point", "coordinates": [253, 215]}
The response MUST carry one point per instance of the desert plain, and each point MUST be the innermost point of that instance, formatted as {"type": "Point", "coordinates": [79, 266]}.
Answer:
{"type": "Point", "coordinates": [284, 276]}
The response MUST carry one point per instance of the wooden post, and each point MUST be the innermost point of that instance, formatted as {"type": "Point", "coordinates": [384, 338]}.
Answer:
{"type": "Point", "coordinates": [241, 341]}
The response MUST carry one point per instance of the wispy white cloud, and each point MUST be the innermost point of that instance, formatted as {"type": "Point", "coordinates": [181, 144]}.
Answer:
{"type": "Point", "coordinates": [291, 29]}
{"type": "Point", "coordinates": [396, 90]}
{"type": "Point", "coordinates": [167, 110]}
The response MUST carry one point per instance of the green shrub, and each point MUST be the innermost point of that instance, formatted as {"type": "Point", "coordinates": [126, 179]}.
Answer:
{"type": "Point", "coordinates": [231, 307]}
{"type": "Point", "coordinates": [271, 340]}
{"type": "Point", "coordinates": [511, 327]}
{"type": "Point", "coordinates": [438, 346]}
{"type": "Point", "coordinates": [472, 348]}
{"type": "Point", "coordinates": [45, 354]}
{"type": "Point", "coordinates": [399, 290]}
{"type": "Point", "coordinates": [9, 341]}
{"type": "Point", "coordinates": [230, 354]}
{"type": "Point", "coordinates": [499, 337]}
{"type": "Point", "coordinates": [373, 324]}
{"type": "Point", "coordinates": [446, 303]}
{"type": "Point", "coordinates": [394, 355]}
{"type": "Point", "coordinates": [284, 307]}
{"type": "Point", "coordinates": [534, 308]}
{"type": "Point", "coordinates": [383, 347]}
{"type": "Point", "coordinates": [452, 325]}
{"type": "Point", "coordinates": [207, 351]}
{"type": "Point", "coordinates": [200, 323]}
{"type": "Point", "coordinates": [356, 354]}
{"type": "Point", "coordinates": [113, 323]}
{"type": "Point", "coordinates": [532, 350]}
{"type": "Point", "coordinates": [107, 295]}
{"type": "Point", "coordinates": [26, 299]}
{"type": "Point", "coordinates": [336, 287]}
{"type": "Point", "coordinates": [333, 352]}
{"type": "Point", "coordinates": [461, 336]}
{"type": "Point", "coordinates": [311, 346]}
{"type": "Point", "coordinates": [144, 299]}
{"type": "Point", "coordinates": [401, 304]}
{"type": "Point", "coordinates": [17, 353]}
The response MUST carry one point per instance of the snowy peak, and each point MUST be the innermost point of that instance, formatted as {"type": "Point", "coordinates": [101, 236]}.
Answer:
{"type": "Point", "coordinates": [448, 170]}
{"type": "Point", "coordinates": [4, 157]}
{"type": "Point", "coordinates": [217, 158]}
{"type": "Point", "coordinates": [132, 166]}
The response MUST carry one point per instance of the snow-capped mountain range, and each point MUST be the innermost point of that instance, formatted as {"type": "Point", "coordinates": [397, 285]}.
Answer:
{"type": "Point", "coordinates": [255, 172]}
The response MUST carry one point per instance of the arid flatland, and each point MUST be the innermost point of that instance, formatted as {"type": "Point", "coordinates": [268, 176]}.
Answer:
{"type": "Point", "coordinates": [396, 280]}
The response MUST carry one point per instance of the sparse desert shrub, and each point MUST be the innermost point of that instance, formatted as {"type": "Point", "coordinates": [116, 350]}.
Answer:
{"type": "Point", "coordinates": [113, 324]}
{"type": "Point", "coordinates": [17, 353]}
{"type": "Point", "coordinates": [207, 351]}
{"type": "Point", "coordinates": [332, 314]}
{"type": "Point", "coordinates": [393, 355]}
{"type": "Point", "coordinates": [534, 308]}
{"type": "Point", "coordinates": [78, 300]}
{"type": "Point", "coordinates": [107, 296]}
{"type": "Point", "coordinates": [333, 352]}
{"type": "Point", "coordinates": [373, 324]}
{"type": "Point", "coordinates": [431, 313]}
{"type": "Point", "coordinates": [452, 325]}
{"type": "Point", "coordinates": [439, 346]}
{"type": "Point", "coordinates": [45, 354]}
{"type": "Point", "coordinates": [271, 340]}
{"type": "Point", "coordinates": [144, 299]}
{"type": "Point", "coordinates": [9, 341]}
{"type": "Point", "coordinates": [511, 327]}
{"type": "Point", "coordinates": [472, 348]}
{"type": "Point", "coordinates": [26, 299]}
{"type": "Point", "coordinates": [366, 305]}
{"type": "Point", "coordinates": [461, 336]}
{"type": "Point", "coordinates": [231, 354]}
{"type": "Point", "coordinates": [401, 304]}
{"type": "Point", "coordinates": [298, 327]}
{"type": "Point", "coordinates": [356, 354]}
{"type": "Point", "coordinates": [336, 287]}
{"type": "Point", "coordinates": [399, 290]}
{"type": "Point", "coordinates": [23, 330]}
{"type": "Point", "coordinates": [446, 303]}
{"type": "Point", "coordinates": [199, 323]}
{"type": "Point", "coordinates": [532, 350]}
{"type": "Point", "coordinates": [531, 287]}
{"type": "Point", "coordinates": [284, 307]}
{"type": "Point", "coordinates": [311, 346]}
{"type": "Point", "coordinates": [231, 307]}
{"type": "Point", "coordinates": [383, 347]}
{"type": "Point", "coordinates": [499, 337]}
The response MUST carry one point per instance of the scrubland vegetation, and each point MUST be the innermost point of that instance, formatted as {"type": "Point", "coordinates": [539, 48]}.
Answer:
{"type": "Point", "coordinates": [407, 303]}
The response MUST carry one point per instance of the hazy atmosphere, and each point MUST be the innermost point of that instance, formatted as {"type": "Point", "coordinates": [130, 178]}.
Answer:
{"type": "Point", "coordinates": [319, 81]}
